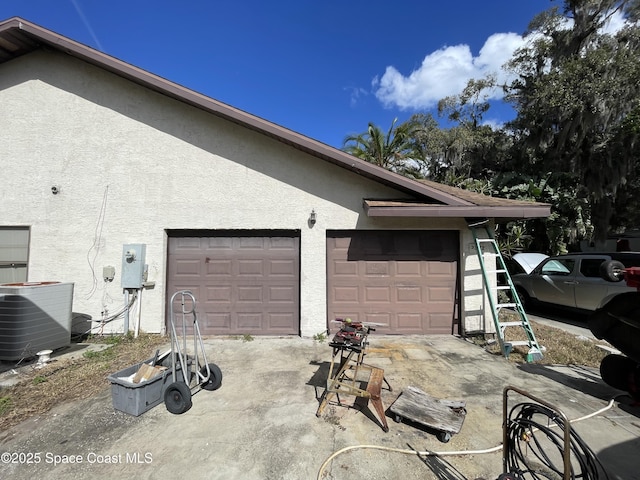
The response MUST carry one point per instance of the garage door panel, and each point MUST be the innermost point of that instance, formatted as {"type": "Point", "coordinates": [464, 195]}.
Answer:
{"type": "Point", "coordinates": [251, 282]}
{"type": "Point", "coordinates": [443, 268]}
{"type": "Point", "coordinates": [346, 294]}
{"type": "Point", "coordinates": [441, 294]}
{"type": "Point", "coordinates": [376, 268]}
{"type": "Point", "coordinates": [284, 294]}
{"type": "Point", "coordinates": [409, 269]}
{"type": "Point", "coordinates": [440, 323]}
{"type": "Point", "coordinates": [279, 320]}
{"type": "Point", "coordinates": [218, 267]}
{"type": "Point", "coordinates": [192, 287]}
{"type": "Point", "coordinates": [218, 293]}
{"type": "Point", "coordinates": [209, 320]}
{"type": "Point", "coordinates": [187, 267]}
{"type": "Point", "coordinates": [406, 278]}
{"type": "Point", "coordinates": [222, 323]}
{"type": "Point", "coordinates": [251, 243]}
{"type": "Point", "coordinates": [379, 294]}
{"type": "Point", "coordinates": [251, 268]}
{"type": "Point", "coordinates": [285, 268]}
{"type": "Point", "coordinates": [250, 295]}
{"type": "Point", "coordinates": [409, 294]}
{"type": "Point", "coordinates": [283, 243]}
{"type": "Point", "coordinates": [410, 322]}
{"type": "Point", "coordinates": [187, 243]}
{"type": "Point", "coordinates": [344, 268]}
{"type": "Point", "coordinates": [250, 321]}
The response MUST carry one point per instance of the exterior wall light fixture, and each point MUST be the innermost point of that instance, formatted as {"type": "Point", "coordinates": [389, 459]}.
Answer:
{"type": "Point", "coordinates": [312, 218]}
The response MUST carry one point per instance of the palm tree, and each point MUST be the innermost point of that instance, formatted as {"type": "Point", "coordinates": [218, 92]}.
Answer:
{"type": "Point", "coordinates": [389, 151]}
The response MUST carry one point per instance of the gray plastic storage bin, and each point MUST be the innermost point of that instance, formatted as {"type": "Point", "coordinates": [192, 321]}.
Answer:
{"type": "Point", "coordinates": [137, 398]}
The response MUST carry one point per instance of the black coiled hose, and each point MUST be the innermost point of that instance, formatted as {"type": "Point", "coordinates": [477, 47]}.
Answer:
{"type": "Point", "coordinates": [536, 445]}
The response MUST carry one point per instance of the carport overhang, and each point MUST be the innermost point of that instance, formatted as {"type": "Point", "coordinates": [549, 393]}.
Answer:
{"type": "Point", "coordinates": [506, 211]}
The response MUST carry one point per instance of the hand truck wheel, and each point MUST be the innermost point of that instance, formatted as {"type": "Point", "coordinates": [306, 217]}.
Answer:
{"type": "Point", "coordinates": [215, 377]}
{"type": "Point", "coordinates": [177, 398]}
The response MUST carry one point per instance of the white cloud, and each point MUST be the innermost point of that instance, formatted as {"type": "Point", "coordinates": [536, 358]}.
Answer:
{"type": "Point", "coordinates": [496, 51]}
{"type": "Point", "coordinates": [445, 72]}
{"type": "Point", "coordinates": [615, 23]}
{"type": "Point", "coordinates": [448, 70]}
{"type": "Point", "coordinates": [495, 124]}
{"type": "Point", "coordinates": [355, 93]}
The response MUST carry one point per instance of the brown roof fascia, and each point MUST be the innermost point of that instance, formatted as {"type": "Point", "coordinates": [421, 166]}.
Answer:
{"type": "Point", "coordinates": [506, 211]}
{"type": "Point", "coordinates": [32, 36]}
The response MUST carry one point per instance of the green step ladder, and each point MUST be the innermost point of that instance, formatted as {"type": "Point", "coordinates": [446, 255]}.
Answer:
{"type": "Point", "coordinates": [487, 247]}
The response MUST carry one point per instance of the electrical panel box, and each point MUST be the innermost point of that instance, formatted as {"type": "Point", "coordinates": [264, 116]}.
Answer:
{"type": "Point", "coordinates": [133, 265]}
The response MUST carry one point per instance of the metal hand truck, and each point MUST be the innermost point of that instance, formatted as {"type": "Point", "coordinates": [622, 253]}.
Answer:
{"type": "Point", "coordinates": [189, 372]}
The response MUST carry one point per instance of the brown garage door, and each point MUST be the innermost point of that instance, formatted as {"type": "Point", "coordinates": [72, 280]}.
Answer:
{"type": "Point", "coordinates": [406, 280]}
{"type": "Point", "coordinates": [244, 282]}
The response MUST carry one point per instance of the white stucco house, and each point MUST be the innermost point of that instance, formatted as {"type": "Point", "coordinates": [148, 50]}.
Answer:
{"type": "Point", "coordinates": [133, 187]}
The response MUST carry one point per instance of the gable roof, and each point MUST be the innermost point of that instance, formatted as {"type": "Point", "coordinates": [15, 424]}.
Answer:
{"type": "Point", "coordinates": [19, 37]}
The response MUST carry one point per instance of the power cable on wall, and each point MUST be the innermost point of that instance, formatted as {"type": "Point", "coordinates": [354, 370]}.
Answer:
{"type": "Point", "coordinates": [95, 247]}
{"type": "Point", "coordinates": [104, 321]}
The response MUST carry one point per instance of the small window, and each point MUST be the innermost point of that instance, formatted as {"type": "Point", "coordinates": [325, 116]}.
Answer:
{"type": "Point", "coordinates": [590, 267]}
{"type": "Point", "coordinates": [558, 267]}
{"type": "Point", "coordinates": [14, 254]}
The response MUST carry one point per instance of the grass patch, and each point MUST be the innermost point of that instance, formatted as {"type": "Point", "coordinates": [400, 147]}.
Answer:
{"type": "Point", "coordinates": [101, 355]}
{"type": "Point", "coordinates": [5, 405]}
{"type": "Point", "coordinates": [562, 348]}
{"type": "Point", "coordinates": [320, 337]}
{"type": "Point", "coordinates": [39, 379]}
{"type": "Point", "coordinates": [72, 379]}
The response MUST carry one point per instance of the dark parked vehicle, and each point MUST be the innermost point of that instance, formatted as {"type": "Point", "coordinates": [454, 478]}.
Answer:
{"type": "Point", "coordinates": [573, 280]}
{"type": "Point", "coordinates": [618, 322]}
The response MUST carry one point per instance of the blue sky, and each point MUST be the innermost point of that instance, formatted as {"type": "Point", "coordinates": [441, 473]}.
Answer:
{"type": "Point", "coordinates": [321, 68]}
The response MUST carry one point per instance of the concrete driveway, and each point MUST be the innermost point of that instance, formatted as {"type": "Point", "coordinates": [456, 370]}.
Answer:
{"type": "Point", "coordinates": [262, 424]}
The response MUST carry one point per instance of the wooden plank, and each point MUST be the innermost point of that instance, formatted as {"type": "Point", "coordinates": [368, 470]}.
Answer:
{"type": "Point", "coordinates": [374, 387]}
{"type": "Point", "coordinates": [146, 372]}
{"type": "Point", "coordinates": [417, 406]}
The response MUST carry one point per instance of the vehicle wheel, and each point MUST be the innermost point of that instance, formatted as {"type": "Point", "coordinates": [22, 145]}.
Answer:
{"type": "Point", "coordinates": [215, 377]}
{"type": "Point", "coordinates": [612, 270]}
{"type": "Point", "coordinates": [525, 299]}
{"type": "Point", "coordinates": [619, 372]}
{"type": "Point", "coordinates": [444, 437]}
{"type": "Point", "coordinates": [618, 322]}
{"type": "Point", "coordinates": [177, 398]}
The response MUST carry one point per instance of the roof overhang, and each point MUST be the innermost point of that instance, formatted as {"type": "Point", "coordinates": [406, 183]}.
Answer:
{"type": "Point", "coordinates": [399, 208]}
